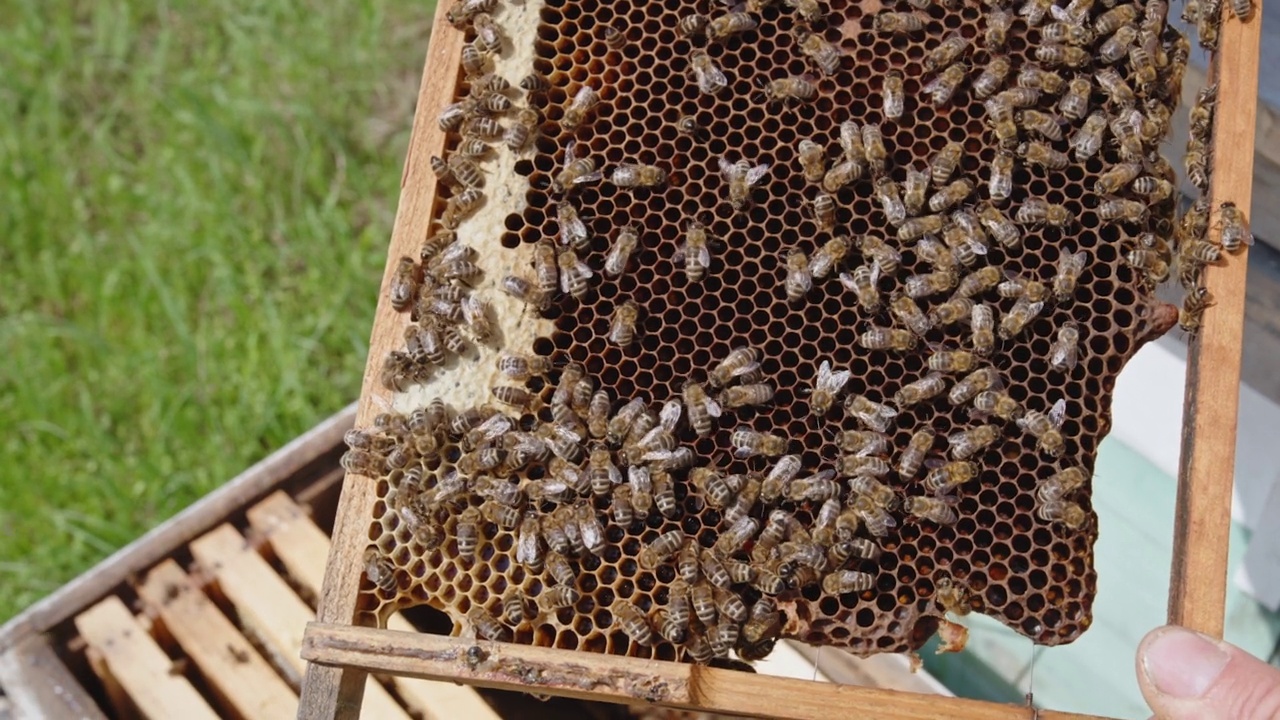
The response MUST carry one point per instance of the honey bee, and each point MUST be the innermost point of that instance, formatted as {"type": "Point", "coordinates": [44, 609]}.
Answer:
{"type": "Point", "coordinates": [1129, 211]}
{"type": "Point", "coordinates": [1194, 304]}
{"type": "Point", "coordinates": [877, 492]}
{"type": "Point", "coordinates": [851, 145]}
{"type": "Point", "coordinates": [483, 127]}
{"type": "Point", "coordinates": [1068, 513]}
{"type": "Point", "coordinates": [701, 408]}
{"type": "Point", "coordinates": [952, 597]}
{"type": "Point", "coordinates": [632, 622]}
{"type": "Point", "coordinates": [1054, 54]}
{"type": "Point", "coordinates": [1087, 141]}
{"type": "Point", "coordinates": [487, 626]}
{"type": "Point", "coordinates": [799, 280]}
{"type": "Point", "coordinates": [1034, 11]}
{"type": "Point", "coordinates": [789, 88]}
{"type": "Point", "coordinates": [875, 518]}
{"type": "Point", "coordinates": [841, 582]}
{"type": "Point", "coordinates": [546, 272]}
{"type": "Point", "coordinates": [467, 533]}
{"type": "Point", "coordinates": [828, 256]}
{"type": "Point", "coordinates": [898, 23]}
{"type": "Point", "coordinates": [575, 275]}
{"type": "Point", "coordinates": [1045, 427]}
{"type": "Point", "coordinates": [894, 98]}
{"type": "Point", "coordinates": [744, 395]}
{"type": "Point", "coordinates": [871, 414]}
{"type": "Point", "coordinates": [1000, 182]}
{"type": "Point", "coordinates": [736, 536]}
{"type": "Point", "coordinates": [741, 177]}
{"type": "Point", "coordinates": [380, 570]}
{"type": "Point", "coordinates": [1197, 164]}
{"type": "Point", "coordinates": [826, 386]}
{"type": "Point", "coordinates": [945, 477]}
{"type": "Point", "coordinates": [710, 78]}
{"type": "Point", "coordinates": [476, 62]}
{"type": "Point", "coordinates": [1069, 268]}
{"type": "Point", "coordinates": [993, 77]}
{"type": "Point", "coordinates": [860, 466]}
{"type": "Point", "coordinates": [812, 160]}
{"type": "Point", "coordinates": [974, 383]}
{"type": "Point", "coordinates": [535, 83]}
{"type": "Point", "coordinates": [936, 510]}
{"type": "Point", "coordinates": [1114, 18]}
{"type": "Point", "coordinates": [841, 174]}
{"type": "Point", "coordinates": [731, 23]}
{"type": "Point", "coordinates": [561, 571]}
{"type": "Point", "coordinates": [692, 25]}
{"type": "Point", "coordinates": [952, 48]}
{"type": "Point", "coordinates": [951, 195]}
{"type": "Point", "coordinates": [953, 311]}
{"type": "Point", "coordinates": [1037, 211]}
{"type": "Point", "coordinates": [1038, 153]}
{"type": "Point", "coordinates": [514, 606]}
{"type": "Point", "coordinates": [1062, 483]}
{"type": "Point", "coordinates": [1116, 47]}
{"type": "Point", "coordinates": [1001, 119]}
{"type": "Point", "coordinates": [631, 175]}
{"type": "Point", "coordinates": [615, 262]}
{"type": "Point", "coordinates": [1115, 87]}
{"type": "Point", "coordinates": [460, 207]}
{"type": "Point", "coordinates": [945, 84]}
{"type": "Point", "coordinates": [881, 338]}
{"type": "Point", "coordinates": [816, 488]}
{"type": "Point", "coordinates": [529, 543]}
{"type": "Point", "coordinates": [913, 456]}
{"type": "Point", "coordinates": [873, 145]}
{"type": "Point", "coordinates": [739, 362]}
{"type": "Point", "coordinates": [1235, 228]}
{"type": "Point", "coordinates": [577, 171]}
{"type": "Point", "coordinates": [823, 54]}
{"type": "Point", "coordinates": [748, 442]}
{"type": "Point", "coordinates": [914, 393]}
{"type": "Point", "coordinates": [944, 164]}
{"type": "Point", "coordinates": [1037, 78]}
{"type": "Point", "coordinates": [583, 102]}
{"type": "Point", "coordinates": [403, 287]}
{"type": "Point", "coordinates": [1063, 354]}
{"type": "Point", "coordinates": [993, 402]}
{"type": "Point", "coordinates": [1156, 189]}
{"type": "Point", "coordinates": [863, 283]}
{"type": "Point", "coordinates": [1068, 33]}
{"type": "Point", "coordinates": [1024, 311]}
{"type": "Point", "coordinates": [558, 597]}
{"type": "Point", "coordinates": [918, 227]}
{"type": "Point", "coordinates": [1156, 267]}
{"type": "Point", "coordinates": [905, 310]}
{"type": "Point", "coordinates": [1116, 178]}
{"type": "Point", "coordinates": [924, 285]}
{"type": "Point", "coordinates": [779, 478]}
{"type": "Point", "coordinates": [824, 212]}
{"type": "Point", "coordinates": [1046, 125]}
{"type": "Point", "coordinates": [967, 443]}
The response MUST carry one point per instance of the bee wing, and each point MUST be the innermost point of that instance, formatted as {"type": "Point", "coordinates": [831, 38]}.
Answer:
{"type": "Point", "coordinates": [727, 169]}
{"type": "Point", "coordinates": [847, 281]}
{"type": "Point", "coordinates": [838, 380]}
{"type": "Point", "coordinates": [824, 374]}
{"type": "Point", "coordinates": [712, 407]}
{"type": "Point", "coordinates": [569, 156]}
{"type": "Point", "coordinates": [1058, 412]}
{"type": "Point", "coordinates": [875, 273]}
{"type": "Point", "coordinates": [584, 96]}
{"type": "Point", "coordinates": [710, 77]}
{"type": "Point", "coordinates": [976, 247]}
{"type": "Point", "coordinates": [755, 174]}
{"type": "Point", "coordinates": [704, 255]}
{"type": "Point", "coordinates": [669, 416]}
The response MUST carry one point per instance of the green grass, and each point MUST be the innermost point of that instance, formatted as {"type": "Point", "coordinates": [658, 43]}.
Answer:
{"type": "Point", "coordinates": [195, 200]}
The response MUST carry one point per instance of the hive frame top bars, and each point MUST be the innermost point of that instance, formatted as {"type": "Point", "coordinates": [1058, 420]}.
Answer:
{"type": "Point", "coordinates": [341, 654]}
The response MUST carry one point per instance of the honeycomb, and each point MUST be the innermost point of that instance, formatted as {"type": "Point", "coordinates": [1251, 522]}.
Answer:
{"type": "Point", "coordinates": [1001, 554]}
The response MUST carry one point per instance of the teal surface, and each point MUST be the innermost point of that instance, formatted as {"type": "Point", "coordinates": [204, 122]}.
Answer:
{"type": "Point", "coordinates": [1095, 674]}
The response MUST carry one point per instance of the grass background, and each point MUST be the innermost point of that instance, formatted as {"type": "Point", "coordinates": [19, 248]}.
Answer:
{"type": "Point", "coordinates": [195, 200]}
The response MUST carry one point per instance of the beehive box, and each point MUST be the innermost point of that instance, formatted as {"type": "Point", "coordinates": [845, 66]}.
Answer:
{"type": "Point", "coordinates": [1002, 552]}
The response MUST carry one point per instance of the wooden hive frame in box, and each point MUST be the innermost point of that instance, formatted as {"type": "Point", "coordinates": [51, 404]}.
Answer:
{"type": "Point", "coordinates": [341, 653]}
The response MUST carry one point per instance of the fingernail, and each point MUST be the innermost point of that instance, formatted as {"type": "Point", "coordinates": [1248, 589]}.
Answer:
{"type": "Point", "coordinates": [1183, 664]}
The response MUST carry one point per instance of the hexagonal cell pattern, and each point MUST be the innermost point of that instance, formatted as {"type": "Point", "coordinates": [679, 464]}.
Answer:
{"type": "Point", "coordinates": [1000, 552]}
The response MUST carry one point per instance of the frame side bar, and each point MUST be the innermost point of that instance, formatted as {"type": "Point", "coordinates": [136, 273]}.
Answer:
{"type": "Point", "coordinates": [330, 693]}
{"type": "Point", "coordinates": [1202, 526]}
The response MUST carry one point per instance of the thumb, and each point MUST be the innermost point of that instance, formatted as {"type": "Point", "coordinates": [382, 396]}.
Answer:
{"type": "Point", "coordinates": [1186, 675]}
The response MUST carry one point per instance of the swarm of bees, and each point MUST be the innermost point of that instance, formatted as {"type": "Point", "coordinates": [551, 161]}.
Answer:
{"type": "Point", "coordinates": [788, 377]}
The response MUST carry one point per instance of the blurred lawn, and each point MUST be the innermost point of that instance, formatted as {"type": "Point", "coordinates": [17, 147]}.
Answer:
{"type": "Point", "coordinates": [194, 204]}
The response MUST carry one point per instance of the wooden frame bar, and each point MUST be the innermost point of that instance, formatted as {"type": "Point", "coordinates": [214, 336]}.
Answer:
{"type": "Point", "coordinates": [341, 654]}
{"type": "Point", "coordinates": [1202, 525]}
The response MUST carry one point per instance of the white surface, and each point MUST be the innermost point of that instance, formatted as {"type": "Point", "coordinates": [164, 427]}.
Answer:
{"type": "Point", "coordinates": [1147, 416]}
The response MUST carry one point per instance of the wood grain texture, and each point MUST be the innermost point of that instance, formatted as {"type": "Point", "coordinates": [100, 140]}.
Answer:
{"type": "Point", "coordinates": [107, 577]}
{"type": "Point", "coordinates": [302, 548]}
{"type": "Point", "coordinates": [270, 610]}
{"type": "Point", "coordinates": [241, 678]}
{"type": "Point", "coordinates": [37, 684]}
{"type": "Point", "coordinates": [329, 693]}
{"type": "Point", "coordinates": [610, 678]}
{"type": "Point", "coordinates": [1198, 580]}
{"type": "Point", "coordinates": [131, 660]}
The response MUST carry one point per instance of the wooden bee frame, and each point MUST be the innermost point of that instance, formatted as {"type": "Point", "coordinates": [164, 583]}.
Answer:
{"type": "Point", "coordinates": [342, 654]}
